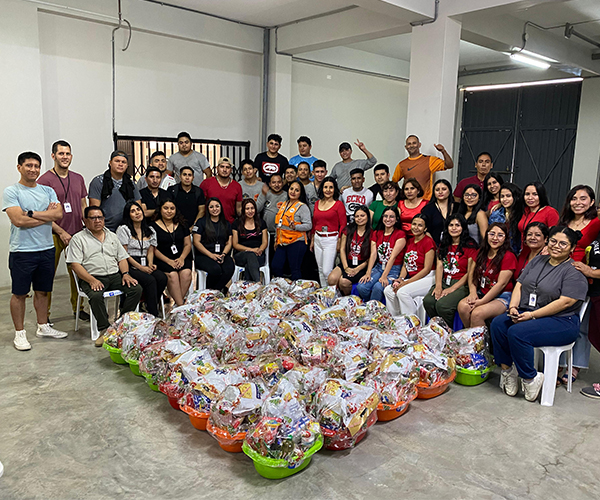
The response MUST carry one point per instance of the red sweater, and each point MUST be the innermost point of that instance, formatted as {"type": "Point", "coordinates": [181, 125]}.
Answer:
{"type": "Point", "coordinates": [333, 219]}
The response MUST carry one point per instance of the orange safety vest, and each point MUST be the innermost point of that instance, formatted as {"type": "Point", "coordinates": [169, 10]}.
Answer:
{"type": "Point", "coordinates": [284, 217]}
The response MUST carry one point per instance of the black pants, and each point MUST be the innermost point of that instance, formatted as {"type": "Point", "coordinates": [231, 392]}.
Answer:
{"type": "Point", "coordinates": [251, 264]}
{"type": "Point", "coordinates": [218, 274]}
{"type": "Point", "coordinates": [153, 284]}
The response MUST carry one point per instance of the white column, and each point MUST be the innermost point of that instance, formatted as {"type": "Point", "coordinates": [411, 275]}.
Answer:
{"type": "Point", "coordinates": [587, 146]}
{"type": "Point", "coordinates": [432, 89]}
{"type": "Point", "coordinates": [279, 116]}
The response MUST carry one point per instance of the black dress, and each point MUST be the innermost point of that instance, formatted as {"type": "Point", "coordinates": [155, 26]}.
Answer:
{"type": "Point", "coordinates": [165, 241]}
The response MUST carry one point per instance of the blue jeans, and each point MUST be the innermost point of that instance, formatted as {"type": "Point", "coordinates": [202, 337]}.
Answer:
{"type": "Point", "coordinates": [514, 342]}
{"type": "Point", "coordinates": [582, 347]}
{"type": "Point", "coordinates": [373, 290]}
{"type": "Point", "coordinates": [294, 254]}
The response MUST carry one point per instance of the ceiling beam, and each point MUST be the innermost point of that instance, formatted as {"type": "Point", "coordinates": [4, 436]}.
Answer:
{"type": "Point", "coordinates": [454, 8]}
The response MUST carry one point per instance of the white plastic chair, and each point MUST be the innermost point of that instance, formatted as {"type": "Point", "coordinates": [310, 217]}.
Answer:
{"type": "Point", "coordinates": [421, 314]}
{"type": "Point", "coordinates": [266, 270]}
{"type": "Point", "coordinates": [551, 358]}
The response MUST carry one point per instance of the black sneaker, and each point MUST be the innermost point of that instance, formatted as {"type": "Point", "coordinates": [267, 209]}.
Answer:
{"type": "Point", "coordinates": [83, 316]}
{"type": "Point", "coordinates": [592, 392]}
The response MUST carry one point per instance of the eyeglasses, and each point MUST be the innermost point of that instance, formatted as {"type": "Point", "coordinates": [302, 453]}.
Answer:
{"type": "Point", "coordinates": [470, 195]}
{"type": "Point", "coordinates": [97, 218]}
{"type": "Point", "coordinates": [563, 245]}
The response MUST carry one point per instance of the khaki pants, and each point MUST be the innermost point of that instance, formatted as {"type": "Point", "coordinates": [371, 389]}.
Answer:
{"type": "Point", "coordinates": [59, 247]}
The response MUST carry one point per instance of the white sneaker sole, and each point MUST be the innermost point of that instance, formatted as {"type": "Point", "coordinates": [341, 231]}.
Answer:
{"type": "Point", "coordinates": [43, 336]}
{"type": "Point", "coordinates": [22, 347]}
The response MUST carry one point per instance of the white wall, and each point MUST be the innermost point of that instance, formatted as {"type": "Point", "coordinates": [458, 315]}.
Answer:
{"type": "Point", "coordinates": [332, 106]}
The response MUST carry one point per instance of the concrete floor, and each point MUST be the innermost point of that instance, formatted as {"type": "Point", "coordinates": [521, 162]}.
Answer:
{"type": "Point", "coordinates": [73, 425]}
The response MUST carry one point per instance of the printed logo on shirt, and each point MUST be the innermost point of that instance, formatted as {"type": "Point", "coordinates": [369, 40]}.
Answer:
{"type": "Point", "coordinates": [410, 261]}
{"type": "Point", "coordinates": [354, 201]}
{"type": "Point", "coordinates": [270, 168]}
{"type": "Point", "coordinates": [451, 264]}
{"type": "Point", "coordinates": [384, 252]}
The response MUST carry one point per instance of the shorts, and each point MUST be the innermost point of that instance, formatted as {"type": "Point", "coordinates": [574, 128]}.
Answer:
{"type": "Point", "coordinates": [353, 279]}
{"type": "Point", "coordinates": [27, 268]}
{"type": "Point", "coordinates": [504, 297]}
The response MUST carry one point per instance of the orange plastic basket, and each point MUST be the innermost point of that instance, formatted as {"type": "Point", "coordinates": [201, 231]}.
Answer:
{"type": "Point", "coordinates": [386, 412]}
{"type": "Point", "coordinates": [232, 444]}
{"type": "Point", "coordinates": [197, 418]}
{"type": "Point", "coordinates": [431, 391]}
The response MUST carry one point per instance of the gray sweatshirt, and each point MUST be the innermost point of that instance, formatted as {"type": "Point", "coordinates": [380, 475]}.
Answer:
{"type": "Point", "coordinates": [341, 171]}
{"type": "Point", "coordinates": [270, 203]}
{"type": "Point", "coordinates": [251, 191]}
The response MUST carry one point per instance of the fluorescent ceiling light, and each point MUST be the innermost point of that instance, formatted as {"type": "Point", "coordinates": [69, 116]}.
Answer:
{"type": "Point", "coordinates": [530, 61]}
{"type": "Point", "coordinates": [517, 50]}
{"type": "Point", "coordinates": [522, 84]}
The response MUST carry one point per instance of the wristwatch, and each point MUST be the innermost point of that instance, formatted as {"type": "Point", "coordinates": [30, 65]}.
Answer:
{"type": "Point", "coordinates": [30, 213]}
{"type": "Point", "coordinates": [126, 272]}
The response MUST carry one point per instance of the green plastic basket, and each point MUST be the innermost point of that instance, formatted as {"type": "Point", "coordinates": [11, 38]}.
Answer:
{"type": "Point", "coordinates": [148, 378]}
{"type": "Point", "coordinates": [272, 468]}
{"type": "Point", "coordinates": [465, 376]}
{"type": "Point", "coordinates": [135, 367]}
{"type": "Point", "coordinates": [115, 354]}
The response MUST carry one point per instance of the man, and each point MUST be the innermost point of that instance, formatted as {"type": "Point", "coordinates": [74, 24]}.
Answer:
{"type": "Point", "coordinates": [341, 170]}
{"type": "Point", "coordinates": [312, 189]}
{"type": "Point", "coordinates": [159, 160]}
{"type": "Point", "coordinates": [100, 262]}
{"type": "Point", "coordinates": [31, 208]}
{"type": "Point", "coordinates": [304, 148]}
{"type": "Point", "coordinates": [187, 157]}
{"type": "Point", "coordinates": [113, 189]}
{"type": "Point", "coordinates": [290, 175]}
{"type": "Point", "coordinates": [188, 199]}
{"type": "Point", "coordinates": [152, 195]}
{"type": "Point", "coordinates": [381, 173]}
{"type": "Point", "coordinates": [270, 161]}
{"type": "Point", "coordinates": [420, 166]}
{"type": "Point", "coordinates": [270, 201]}
{"type": "Point", "coordinates": [251, 185]}
{"type": "Point", "coordinates": [483, 165]}
{"type": "Point", "coordinates": [223, 187]}
{"type": "Point", "coordinates": [358, 195]}
{"type": "Point", "coordinates": [72, 194]}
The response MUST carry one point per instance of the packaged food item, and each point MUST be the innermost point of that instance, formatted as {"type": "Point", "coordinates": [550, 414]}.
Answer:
{"type": "Point", "coordinates": [349, 302]}
{"type": "Point", "coordinates": [203, 297]}
{"type": "Point", "coordinates": [309, 312]}
{"type": "Point", "coordinates": [269, 368]}
{"type": "Point", "coordinates": [301, 289]}
{"type": "Point", "coordinates": [407, 325]}
{"type": "Point", "coordinates": [377, 315]}
{"type": "Point", "coordinates": [128, 322]}
{"type": "Point", "coordinates": [360, 334]}
{"type": "Point", "coordinates": [247, 290]}
{"type": "Point", "coordinates": [207, 388]}
{"type": "Point", "coordinates": [350, 360]}
{"type": "Point", "coordinates": [334, 318]}
{"type": "Point", "coordinates": [389, 339]}
{"type": "Point", "coordinates": [394, 377]}
{"type": "Point", "coordinates": [237, 407]}
{"type": "Point", "coordinates": [248, 344]}
{"type": "Point", "coordinates": [435, 334]}
{"type": "Point", "coordinates": [294, 334]}
{"type": "Point", "coordinates": [325, 296]}
{"type": "Point", "coordinates": [317, 351]}
{"type": "Point", "coordinates": [306, 382]}
{"type": "Point", "coordinates": [434, 367]}
{"type": "Point", "coordinates": [224, 335]}
{"type": "Point", "coordinates": [467, 341]}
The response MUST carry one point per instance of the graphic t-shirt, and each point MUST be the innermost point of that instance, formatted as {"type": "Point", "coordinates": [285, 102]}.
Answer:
{"type": "Point", "coordinates": [385, 246]}
{"type": "Point", "coordinates": [414, 256]}
{"type": "Point", "coordinates": [421, 168]}
{"type": "Point", "coordinates": [268, 166]}
{"type": "Point", "coordinates": [489, 276]}
{"type": "Point", "coordinates": [356, 244]}
{"type": "Point", "coordinates": [251, 238]}
{"type": "Point", "coordinates": [456, 264]}
{"type": "Point", "coordinates": [354, 199]}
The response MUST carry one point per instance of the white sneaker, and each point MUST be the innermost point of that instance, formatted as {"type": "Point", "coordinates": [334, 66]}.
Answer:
{"type": "Point", "coordinates": [21, 343]}
{"type": "Point", "coordinates": [47, 331]}
{"type": "Point", "coordinates": [509, 381]}
{"type": "Point", "coordinates": [532, 389]}
{"type": "Point", "coordinates": [1, 469]}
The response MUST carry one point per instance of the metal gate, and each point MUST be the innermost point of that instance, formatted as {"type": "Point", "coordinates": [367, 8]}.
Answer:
{"type": "Point", "coordinates": [530, 132]}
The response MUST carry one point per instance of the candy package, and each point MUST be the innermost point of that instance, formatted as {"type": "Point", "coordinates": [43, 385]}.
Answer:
{"type": "Point", "coordinates": [350, 361]}
{"type": "Point", "coordinates": [247, 290]}
{"type": "Point", "coordinates": [325, 296]}
{"type": "Point", "coordinates": [237, 407]}
{"type": "Point", "coordinates": [360, 334]}
{"type": "Point", "coordinates": [435, 334]}
{"type": "Point", "coordinates": [394, 377]}
{"type": "Point", "coordinates": [434, 367]}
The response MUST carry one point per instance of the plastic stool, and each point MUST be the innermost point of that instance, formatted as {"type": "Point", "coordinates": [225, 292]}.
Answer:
{"type": "Point", "coordinates": [551, 357]}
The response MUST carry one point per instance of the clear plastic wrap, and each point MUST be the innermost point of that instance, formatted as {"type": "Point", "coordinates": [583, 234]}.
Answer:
{"type": "Point", "coordinates": [325, 296]}
{"type": "Point", "coordinates": [237, 407]}
{"type": "Point", "coordinates": [394, 377]}
{"type": "Point", "coordinates": [360, 334]}
{"type": "Point", "coordinates": [306, 381]}
{"type": "Point", "coordinates": [269, 368]}
{"type": "Point", "coordinates": [208, 387]}
{"type": "Point", "coordinates": [125, 324]}
{"type": "Point", "coordinates": [335, 318]}
{"type": "Point", "coordinates": [203, 297]}
{"type": "Point", "coordinates": [247, 290]}
{"type": "Point", "coordinates": [470, 348]}
{"type": "Point", "coordinates": [301, 289]}
{"type": "Point", "coordinates": [294, 334]}
{"type": "Point", "coordinates": [309, 312]}
{"type": "Point", "coordinates": [350, 361]}
{"type": "Point", "coordinates": [435, 334]}
{"type": "Point", "coordinates": [377, 315]}
{"type": "Point", "coordinates": [248, 344]}
{"type": "Point", "coordinates": [434, 367]}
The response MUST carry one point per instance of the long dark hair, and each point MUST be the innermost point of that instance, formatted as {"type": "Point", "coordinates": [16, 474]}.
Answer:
{"type": "Point", "coordinates": [210, 231]}
{"type": "Point", "coordinates": [482, 256]}
{"type": "Point", "coordinates": [465, 240]}
{"type": "Point", "coordinates": [177, 219]}
{"type": "Point", "coordinates": [462, 208]}
{"type": "Point", "coordinates": [336, 189]}
{"type": "Point", "coordinates": [541, 192]}
{"type": "Point", "coordinates": [397, 225]}
{"type": "Point", "coordinates": [365, 250]}
{"type": "Point", "coordinates": [302, 197]}
{"type": "Point", "coordinates": [487, 196]}
{"type": "Point", "coordinates": [242, 217]}
{"type": "Point", "coordinates": [145, 228]}
{"type": "Point", "coordinates": [567, 214]}
{"type": "Point", "coordinates": [446, 183]}
{"type": "Point", "coordinates": [516, 212]}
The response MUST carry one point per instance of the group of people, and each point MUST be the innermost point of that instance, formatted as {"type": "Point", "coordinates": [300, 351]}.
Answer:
{"type": "Point", "coordinates": [488, 251]}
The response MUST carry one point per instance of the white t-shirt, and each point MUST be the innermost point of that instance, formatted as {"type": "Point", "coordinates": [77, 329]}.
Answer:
{"type": "Point", "coordinates": [354, 199]}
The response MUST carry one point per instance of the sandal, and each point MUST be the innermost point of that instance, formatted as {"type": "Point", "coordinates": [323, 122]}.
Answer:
{"type": "Point", "coordinates": [565, 379]}
{"type": "Point", "coordinates": [559, 376]}
{"type": "Point", "coordinates": [592, 392]}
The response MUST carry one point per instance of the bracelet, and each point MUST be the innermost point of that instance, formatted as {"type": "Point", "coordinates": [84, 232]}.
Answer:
{"type": "Point", "coordinates": [126, 272]}
{"type": "Point", "coordinates": [532, 316]}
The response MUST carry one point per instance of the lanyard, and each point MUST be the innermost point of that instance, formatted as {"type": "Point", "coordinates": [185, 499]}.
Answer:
{"type": "Point", "coordinates": [140, 241]}
{"type": "Point", "coordinates": [553, 268]}
{"type": "Point", "coordinates": [172, 234]}
{"type": "Point", "coordinates": [358, 243]}
{"type": "Point", "coordinates": [63, 186]}
{"type": "Point", "coordinates": [528, 220]}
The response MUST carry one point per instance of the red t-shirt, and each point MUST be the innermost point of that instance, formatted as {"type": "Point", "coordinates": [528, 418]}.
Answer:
{"type": "Point", "coordinates": [461, 186]}
{"type": "Point", "coordinates": [548, 215]}
{"type": "Point", "coordinates": [489, 277]}
{"type": "Point", "coordinates": [414, 255]}
{"type": "Point", "coordinates": [228, 196]}
{"type": "Point", "coordinates": [70, 190]}
{"type": "Point", "coordinates": [456, 264]}
{"type": "Point", "coordinates": [588, 234]}
{"type": "Point", "coordinates": [407, 214]}
{"type": "Point", "coordinates": [521, 262]}
{"type": "Point", "coordinates": [329, 221]}
{"type": "Point", "coordinates": [356, 245]}
{"type": "Point", "coordinates": [385, 245]}
{"type": "Point", "coordinates": [492, 204]}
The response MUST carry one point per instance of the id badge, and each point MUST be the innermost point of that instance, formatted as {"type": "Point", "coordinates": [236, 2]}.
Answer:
{"type": "Point", "coordinates": [217, 248]}
{"type": "Point", "coordinates": [532, 299]}
{"type": "Point", "coordinates": [482, 282]}
{"type": "Point", "coordinates": [448, 280]}
{"type": "Point", "coordinates": [67, 207]}
{"type": "Point", "coordinates": [325, 228]}
{"type": "Point", "coordinates": [279, 224]}
{"type": "Point", "coordinates": [174, 248]}
{"type": "Point", "coordinates": [143, 261]}
{"type": "Point", "coordinates": [355, 260]}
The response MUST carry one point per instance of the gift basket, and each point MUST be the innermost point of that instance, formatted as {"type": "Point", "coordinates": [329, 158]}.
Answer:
{"type": "Point", "coordinates": [350, 361]}
{"type": "Point", "coordinates": [436, 370]}
{"type": "Point", "coordinates": [127, 323]}
{"type": "Point", "coordinates": [469, 347]}
{"type": "Point", "coordinates": [345, 412]}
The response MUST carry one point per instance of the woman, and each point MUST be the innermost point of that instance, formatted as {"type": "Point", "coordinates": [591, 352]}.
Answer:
{"type": "Point", "coordinates": [470, 206]}
{"type": "Point", "coordinates": [580, 214]}
{"type": "Point", "coordinates": [304, 173]}
{"type": "Point", "coordinates": [411, 205]}
{"type": "Point", "coordinates": [438, 209]}
{"type": "Point", "coordinates": [139, 240]}
{"type": "Point", "coordinates": [456, 256]}
{"type": "Point", "coordinates": [417, 275]}
{"type": "Point", "coordinates": [387, 244]}
{"type": "Point", "coordinates": [329, 220]}
{"type": "Point", "coordinates": [173, 250]}
{"type": "Point", "coordinates": [536, 240]}
{"type": "Point", "coordinates": [250, 240]}
{"type": "Point", "coordinates": [293, 221]}
{"type": "Point", "coordinates": [490, 279]}
{"type": "Point", "coordinates": [543, 311]}
{"type": "Point", "coordinates": [536, 207]}
{"type": "Point", "coordinates": [213, 240]}
{"type": "Point", "coordinates": [355, 250]}
{"type": "Point", "coordinates": [389, 192]}
{"type": "Point", "coordinates": [509, 212]}
{"type": "Point", "coordinates": [491, 190]}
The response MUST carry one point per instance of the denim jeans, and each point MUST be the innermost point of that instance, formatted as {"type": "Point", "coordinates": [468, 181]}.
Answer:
{"type": "Point", "coordinates": [582, 347]}
{"type": "Point", "coordinates": [373, 290]}
{"type": "Point", "coordinates": [294, 254]}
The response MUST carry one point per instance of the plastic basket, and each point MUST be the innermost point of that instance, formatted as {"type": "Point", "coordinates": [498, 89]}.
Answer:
{"type": "Point", "coordinates": [134, 366]}
{"type": "Point", "coordinates": [431, 391]}
{"type": "Point", "coordinates": [342, 439]}
{"type": "Point", "coordinates": [152, 386]}
{"type": "Point", "coordinates": [174, 402]}
{"type": "Point", "coordinates": [232, 444]}
{"type": "Point", "coordinates": [386, 412]}
{"type": "Point", "coordinates": [115, 354]}
{"type": "Point", "coordinates": [197, 418]}
{"type": "Point", "coordinates": [272, 468]}
{"type": "Point", "coordinates": [466, 376]}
